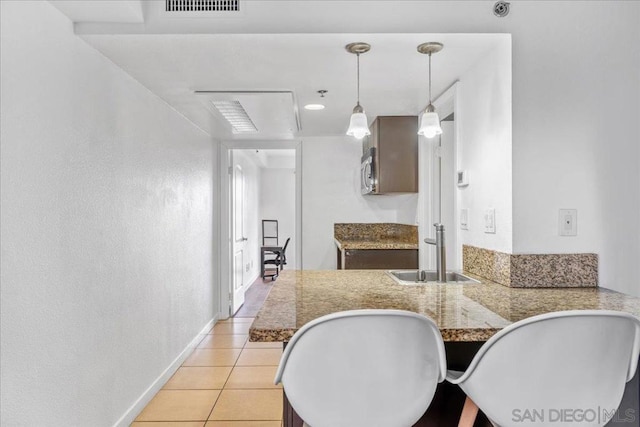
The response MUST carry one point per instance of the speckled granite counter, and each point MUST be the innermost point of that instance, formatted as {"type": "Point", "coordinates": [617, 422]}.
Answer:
{"type": "Point", "coordinates": [374, 244]}
{"type": "Point", "coordinates": [375, 236]}
{"type": "Point", "coordinates": [532, 270]}
{"type": "Point", "coordinates": [462, 312]}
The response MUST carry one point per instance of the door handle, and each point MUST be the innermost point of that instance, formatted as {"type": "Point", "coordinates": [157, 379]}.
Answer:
{"type": "Point", "coordinates": [244, 239]}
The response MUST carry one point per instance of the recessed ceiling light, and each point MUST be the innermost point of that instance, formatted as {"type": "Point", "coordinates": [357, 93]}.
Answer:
{"type": "Point", "coordinates": [314, 107]}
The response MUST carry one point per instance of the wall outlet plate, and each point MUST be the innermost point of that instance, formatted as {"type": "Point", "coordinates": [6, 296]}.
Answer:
{"type": "Point", "coordinates": [490, 221]}
{"type": "Point", "coordinates": [464, 219]}
{"type": "Point", "coordinates": [568, 222]}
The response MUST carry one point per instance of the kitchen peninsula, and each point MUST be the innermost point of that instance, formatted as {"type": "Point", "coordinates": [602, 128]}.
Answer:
{"type": "Point", "coordinates": [467, 315]}
{"type": "Point", "coordinates": [376, 246]}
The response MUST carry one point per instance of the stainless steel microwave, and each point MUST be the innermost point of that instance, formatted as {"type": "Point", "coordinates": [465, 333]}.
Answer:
{"type": "Point", "coordinates": [368, 173]}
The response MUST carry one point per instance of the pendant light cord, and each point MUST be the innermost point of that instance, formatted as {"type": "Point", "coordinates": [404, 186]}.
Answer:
{"type": "Point", "coordinates": [429, 79]}
{"type": "Point", "coordinates": [358, 73]}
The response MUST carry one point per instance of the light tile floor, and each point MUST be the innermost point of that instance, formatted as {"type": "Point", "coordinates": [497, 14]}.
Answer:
{"type": "Point", "coordinates": [226, 382]}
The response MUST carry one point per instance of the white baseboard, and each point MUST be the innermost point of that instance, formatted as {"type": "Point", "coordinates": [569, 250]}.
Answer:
{"type": "Point", "coordinates": [146, 397]}
{"type": "Point", "coordinates": [252, 281]}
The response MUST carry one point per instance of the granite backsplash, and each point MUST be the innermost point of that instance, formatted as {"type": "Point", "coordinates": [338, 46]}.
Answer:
{"type": "Point", "coordinates": [376, 232]}
{"type": "Point", "coordinates": [532, 271]}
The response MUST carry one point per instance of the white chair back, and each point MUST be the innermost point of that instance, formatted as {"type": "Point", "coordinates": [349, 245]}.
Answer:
{"type": "Point", "coordinates": [363, 368]}
{"type": "Point", "coordinates": [557, 369]}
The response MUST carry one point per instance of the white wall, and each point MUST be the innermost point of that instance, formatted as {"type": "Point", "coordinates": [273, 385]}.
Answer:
{"type": "Point", "coordinates": [449, 193]}
{"type": "Point", "coordinates": [484, 148]}
{"type": "Point", "coordinates": [331, 194]}
{"type": "Point", "coordinates": [576, 135]}
{"type": "Point", "coordinates": [107, 237]}
{"type": "Point", "coordinates": [278, 201]}
{"type": "Point", "coordinates": [253, 226]}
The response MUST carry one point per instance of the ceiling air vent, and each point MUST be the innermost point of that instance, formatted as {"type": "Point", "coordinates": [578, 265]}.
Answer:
{"type": "Point", "coordinates": [236, 115]}
{"type": "Point", "coordinates": [202, 5]}
{"type": "Point", "coordinates": [253, 114]}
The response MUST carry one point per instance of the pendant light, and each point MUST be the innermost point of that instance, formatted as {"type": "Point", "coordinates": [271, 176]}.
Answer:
{"type": "Point", "coordinates": [358, 125]}
{"type": "Point", "coordinates": [430, 122]}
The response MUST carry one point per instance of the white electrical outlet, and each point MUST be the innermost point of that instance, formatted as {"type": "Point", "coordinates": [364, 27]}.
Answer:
{"type": "Point", "coordinates": [568, 222]}
{"type": "Point", "coordinates": [490, 221]}
{"type": "Point", "coordinates": [464, 219]}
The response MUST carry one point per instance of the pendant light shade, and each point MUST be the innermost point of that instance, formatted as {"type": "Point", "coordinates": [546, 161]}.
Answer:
{"type": "Point", "coordinates": [429, 121]}
{"type": "Point", "coordinates": [358, 125]}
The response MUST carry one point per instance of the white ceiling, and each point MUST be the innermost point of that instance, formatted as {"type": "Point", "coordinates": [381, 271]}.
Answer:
{"type": "Point", "coordinates": [272, 159]}
{"type": "Point", "coordinates": [393, 74]}
{"type": "Point", "coordinates": [111, 11]}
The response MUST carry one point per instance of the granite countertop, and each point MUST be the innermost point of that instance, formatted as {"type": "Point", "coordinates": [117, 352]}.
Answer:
{"type": "Point", "coordinates": [369, 236]}
{"type": "Point", "coordinates": [462, 312]}
{"type": "Point", "coordinates": [374, 244]}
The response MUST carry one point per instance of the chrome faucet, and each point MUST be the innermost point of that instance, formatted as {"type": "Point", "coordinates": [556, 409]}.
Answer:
{"type": "Point", "coordinates": [441, 252]}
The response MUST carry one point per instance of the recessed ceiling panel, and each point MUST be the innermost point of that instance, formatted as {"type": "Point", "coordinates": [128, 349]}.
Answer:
{"type": "Point", "coordinates": [264, 71]}
{"type": "Point", "coordinates": [111, 11]}
{"type": "Point", "coordinates": [253, 114]}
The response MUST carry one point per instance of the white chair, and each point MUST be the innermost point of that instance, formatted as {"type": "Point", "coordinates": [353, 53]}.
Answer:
{"type": "Point", "coordinates": [363, 368]}
{"type": "Point", "coordinates": [556, 369]}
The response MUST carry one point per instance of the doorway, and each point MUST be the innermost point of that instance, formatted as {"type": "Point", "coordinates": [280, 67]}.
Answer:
{"type": "Point", "coordinates": [258, 184]}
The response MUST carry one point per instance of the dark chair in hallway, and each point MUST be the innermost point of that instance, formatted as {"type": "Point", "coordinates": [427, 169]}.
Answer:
{"type": "Point", "coordinates": [278, 262]}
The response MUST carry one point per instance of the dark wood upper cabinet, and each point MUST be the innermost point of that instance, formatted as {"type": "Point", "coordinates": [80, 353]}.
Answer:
{"type": "Point", "coordinates": [395, 139]}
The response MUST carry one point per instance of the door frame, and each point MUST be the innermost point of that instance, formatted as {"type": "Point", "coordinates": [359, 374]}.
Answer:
{"type": "Point", "coordinates": [238, 242]}
{"type": "Point", "coordinates": [448, 102]}
{"type": "Point", "coordinates": [225, 205]}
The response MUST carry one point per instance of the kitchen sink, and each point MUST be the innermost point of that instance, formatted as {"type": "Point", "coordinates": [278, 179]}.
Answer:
{"type": "Point", "coordinates": [426, 277]}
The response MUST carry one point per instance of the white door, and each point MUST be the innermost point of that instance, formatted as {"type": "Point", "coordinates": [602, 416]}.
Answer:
{"type": "Point", "coordinates": [239, 240]}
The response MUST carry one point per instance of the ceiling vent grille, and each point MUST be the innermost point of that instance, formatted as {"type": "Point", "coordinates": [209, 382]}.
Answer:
{"type": "Point", "coordinates": [236, 115]}
{"type": "Point", "coordinates": [202, 5]}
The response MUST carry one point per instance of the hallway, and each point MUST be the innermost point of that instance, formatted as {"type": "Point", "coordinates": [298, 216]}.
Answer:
{"type": "Point", "coordinates": [226, 382]}
{"type": "Point", "coordinates": [254, 297]}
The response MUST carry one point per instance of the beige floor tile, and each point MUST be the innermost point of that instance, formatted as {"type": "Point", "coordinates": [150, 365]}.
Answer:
{"type": "Point", "coordinates": [180, 405]}
{"type": "Point", "coordinates": [199, 377]}
{"type": "Point", "coordinates": [168, 424]}
{"type": "Point", "coordinates": [264, 345]}
{"type": "Point", "coordinates": [223, 341]}
{"type": "Point", "coordinates": [247, 377]}
{"type": "Point", "coordinates": [259, 357]}
{"type": "Point", "coordinates": [248, 405]}
{"type": "Point", "coordinates": [213, 357]}
{"type": "Point", "coordinates": [231, 328]}
{"type": "Point", "coordinates": [243, 424]}
{"type": "Point", "coordinates": [238, 320]}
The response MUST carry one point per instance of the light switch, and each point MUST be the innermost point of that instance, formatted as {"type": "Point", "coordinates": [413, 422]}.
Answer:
{"type": "Point", "coordinates": [568, 222]}
{"type": "Point", "coordinates": [462, 178]}
{"type": "Point", "coordinates": [464, 219]}
{"type": "Point", "coordinates": [490, 221]}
